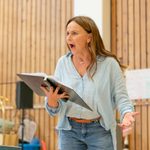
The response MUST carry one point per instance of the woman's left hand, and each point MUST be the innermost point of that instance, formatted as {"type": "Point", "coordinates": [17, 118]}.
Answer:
{"type": "Point", "coordinates": [128, 123]}
{"type": "Point", "coordinates": [128, 119]}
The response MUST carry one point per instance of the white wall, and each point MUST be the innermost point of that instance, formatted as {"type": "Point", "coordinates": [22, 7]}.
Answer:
{"type": "Point", "coordinates": [99, 11]}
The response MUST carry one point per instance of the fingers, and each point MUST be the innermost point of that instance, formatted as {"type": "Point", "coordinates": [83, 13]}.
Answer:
{"type": "Point", "coordinates": [120, 125]}
{"type": "Point", "coordinates": [134, 114]}
{"type": "Point", "coordinates": [54, 93]}
{"type": "Point", "coordinates": [126, 129]}
{"type": "Point", "coordinates": [45, 90]}
{"type": "Point", "coordinates": [124, 125]}
{"type": "Point", "coordinates": [131, 115]}
{"type": "Point", "coordinates": [57, 89]}
{"type": "Point", "coordinates": [64, 95]}
{"type": "Point", "coordinates": [129, 119]}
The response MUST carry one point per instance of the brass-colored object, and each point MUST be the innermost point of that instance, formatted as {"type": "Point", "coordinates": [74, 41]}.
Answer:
{"type": "Point", "coordinates": [2, 107]}
{"type": "Point", "coordinates": [6, 138]}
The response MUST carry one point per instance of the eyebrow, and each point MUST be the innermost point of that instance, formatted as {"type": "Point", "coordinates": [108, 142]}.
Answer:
{"type": "Point", "coordinates": [72, 31]}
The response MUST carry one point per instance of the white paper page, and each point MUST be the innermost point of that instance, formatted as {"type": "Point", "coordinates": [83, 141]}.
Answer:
{"type": "Point", "coordinates": [138, 83]}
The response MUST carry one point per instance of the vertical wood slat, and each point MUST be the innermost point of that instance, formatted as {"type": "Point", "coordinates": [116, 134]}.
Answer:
{"type": "Point", "coordinates": [148, 33]}
{"type": "Point", "coordinates": [57, 41]}
{"type": "Point", "coordinates": [14, 53]}
{"type": "Point", "coordinates": [23, 35]}
{"type": "Point", "coordinates": [113, 26]}
{"type": "Point", "coordinates": [52, 38]}
{"type": "Point", "coordinates": [32, 38]}
{"type": "Point", "coordinates": [14, 43]}
{"type": "Point", "coordinates": [125, 32]}
{"type": "Point", "coordinates": [63, 23]}
{"type": "Point", "coordinates": [28, 34]}
{"type": "Point", "coordinates": [33, 35]}
{"type": "Point", "coordinates": [1, 41]}
{"type": "Point", "coordinates": [46, 133]}
{"type": "Point", "coordinates": [148, 59]}
{"type": "Point", "coordinates": [148, 132]}
{"type": "Point", "coordinates": [18, 37]}
{"type": "Point", "coordinates": [9, 41]}
{"type": "Point", "coordinates": [42, 123]}
{"type": "Point", "coordinates": [138, 130]}
{"type": "Point", "coordinates": [131, 138]}
{"type": "Point", "coordinates": [138, 123]}
{"type": "Point", "coordinates": [143, 33]}
{"type": "Point", "coordinates": [38, 33]}
{"type": "Point", "coordinates": [119, 30]}
{"type": "Point", "coordinates": [137, 34]}
{"type": "Point", "coordinates": [4, 47]}
{"type": "Point", "coordinates": [144, 121]}
{"type": "Point", "coordinates": [43, 34]}
{"type": "Point", "coordinates": [132, 34]}
{"type": "Point", "coordinates": [143, 65]}
{"type": "Point", "coordinates": [48, 35]}
{"type": "Point", "coordinates": [47, 125]}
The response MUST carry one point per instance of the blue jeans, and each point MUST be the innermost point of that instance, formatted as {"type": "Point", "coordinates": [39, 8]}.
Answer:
{"type": "Point", "coordinates": [89, 136]}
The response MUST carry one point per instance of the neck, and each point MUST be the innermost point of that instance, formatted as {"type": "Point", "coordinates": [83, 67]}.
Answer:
{"type": "Point", "coordinates": [83, 60]}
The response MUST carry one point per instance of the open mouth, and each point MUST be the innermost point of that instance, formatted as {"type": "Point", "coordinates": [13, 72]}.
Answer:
{"type": "Point", "coordinates": [71, 45]}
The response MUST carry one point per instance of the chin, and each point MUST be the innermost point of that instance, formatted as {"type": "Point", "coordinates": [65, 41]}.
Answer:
{"type": "Point", "coordinates": [73, 52]}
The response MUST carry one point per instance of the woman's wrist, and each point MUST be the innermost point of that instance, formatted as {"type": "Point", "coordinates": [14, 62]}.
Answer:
{"type": "Point", "coordinates": [53, 104]}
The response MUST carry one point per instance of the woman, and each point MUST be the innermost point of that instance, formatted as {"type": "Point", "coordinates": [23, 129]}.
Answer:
{"type": "Point", "coordinates": [96, 75]}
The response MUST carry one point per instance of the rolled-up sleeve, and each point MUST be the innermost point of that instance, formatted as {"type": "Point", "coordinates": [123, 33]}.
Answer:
{"type": "Point", "coordinates": [51, 110]}
{"type": "Point", "coordinates": [120, 94]}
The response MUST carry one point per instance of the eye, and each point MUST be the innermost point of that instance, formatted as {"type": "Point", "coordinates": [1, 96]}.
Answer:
{"type": "Point", "coordinates": [67, 33]}
{"type": "Point", "coordinates": [74, 33]}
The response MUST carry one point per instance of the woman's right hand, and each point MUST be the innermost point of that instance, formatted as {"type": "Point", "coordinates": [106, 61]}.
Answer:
{"type": "Point", "coordinates": [53, 96]}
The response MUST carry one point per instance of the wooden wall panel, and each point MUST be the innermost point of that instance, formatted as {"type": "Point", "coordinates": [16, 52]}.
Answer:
{"type": "Point", "coordinates": [131, 33]}
{"type": "Point", "coordinates": [32, 38]}
{"type": "Point", "coordinates": [131, 43]}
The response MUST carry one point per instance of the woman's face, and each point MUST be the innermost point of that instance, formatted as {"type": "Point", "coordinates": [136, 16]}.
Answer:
{"type": "Point", "coordinates": [77, 38]}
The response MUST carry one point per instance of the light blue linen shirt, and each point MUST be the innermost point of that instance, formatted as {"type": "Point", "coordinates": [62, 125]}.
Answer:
{"type": "Point", "coordinates": [104, 93]}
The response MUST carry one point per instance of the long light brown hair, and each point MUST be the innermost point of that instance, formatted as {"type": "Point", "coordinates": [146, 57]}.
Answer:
{"type": "Point", "coordinates": [96, 46]}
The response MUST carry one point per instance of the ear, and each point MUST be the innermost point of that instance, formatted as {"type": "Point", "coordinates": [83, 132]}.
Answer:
{"type": "Point", "coordinates": [89, 38]}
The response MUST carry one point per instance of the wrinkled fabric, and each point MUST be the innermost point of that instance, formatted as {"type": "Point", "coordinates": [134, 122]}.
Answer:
{"type": "Point", "coordinates": [104, 93]}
